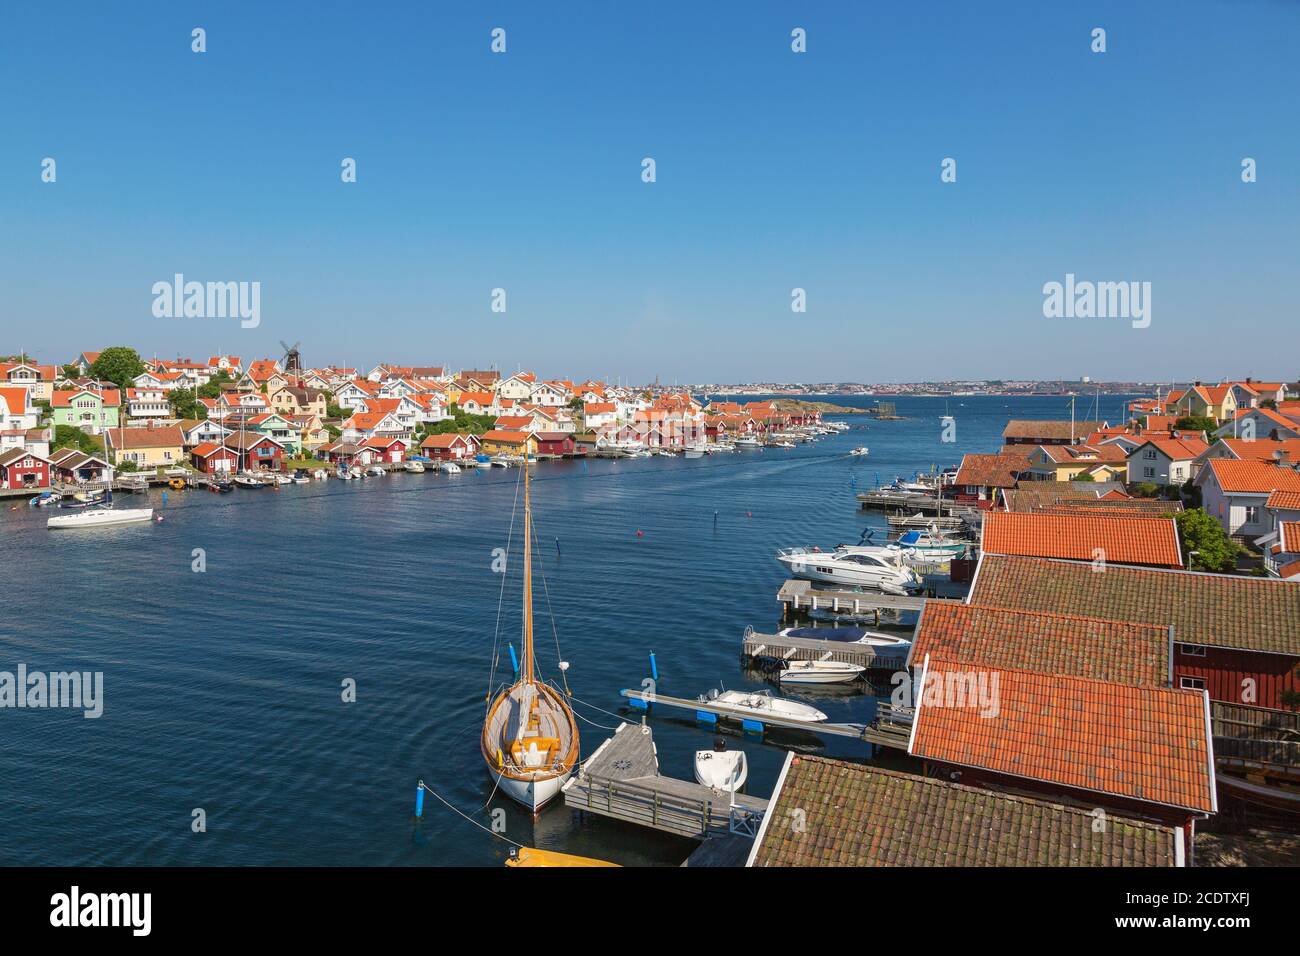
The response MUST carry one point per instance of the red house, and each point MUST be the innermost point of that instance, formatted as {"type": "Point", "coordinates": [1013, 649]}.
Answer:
{"type": "Point", "coordinates": [19, 468]}
{"type": "Point", "coordinates": [385, 449]}
{"type": "Point", "coordinates": [554, 443]}
{"type": "Point", "coordinates": [211, 458]}
{"type": "Point", "coordinates": [450, 447]}
{"type": "Point", "coordinates": [259, 452]}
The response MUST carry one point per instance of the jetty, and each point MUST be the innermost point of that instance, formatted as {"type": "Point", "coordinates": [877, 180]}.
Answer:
{"type": "Point", "coordinates": [621, 780]}
{"type": "Point", "coordinates": [774, 650]}
{"type": "Point", "coordinates": [883, 732]}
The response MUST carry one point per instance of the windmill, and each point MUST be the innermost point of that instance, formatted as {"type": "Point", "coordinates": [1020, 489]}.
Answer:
{"type": "Point", "coordinates": [292, 359]}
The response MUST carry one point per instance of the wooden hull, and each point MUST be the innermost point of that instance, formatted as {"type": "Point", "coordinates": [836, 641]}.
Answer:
{"type": "Point", "coordinates": [533, 788]}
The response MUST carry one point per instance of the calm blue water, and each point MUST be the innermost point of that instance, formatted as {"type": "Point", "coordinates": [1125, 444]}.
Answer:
{"type": "Point", "coordinates": [222, 689]}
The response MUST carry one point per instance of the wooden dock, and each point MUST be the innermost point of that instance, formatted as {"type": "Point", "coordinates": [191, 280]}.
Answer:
{"type": "Point", "coordinates": [621, 780]}
{"type": "Point", "coordinates": [883, 733]}
{"type": "Point", "coordinates": [771, 647]}
{"type": "Point", "coordinates": [909, 504]}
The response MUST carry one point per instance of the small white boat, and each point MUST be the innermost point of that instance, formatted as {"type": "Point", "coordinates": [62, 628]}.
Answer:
{"type": "Point", "coordinates": [781, 444]}
{"type": "Point", "coordinates": [244, 480]}
{"type": "Point", "coordinates": [849, 635]}
{"type": "Point", "coordinates": [415, 467]}
{"type": "Point", "coordinates": [320, 474]}
{"type": "Point", "coordinates": [99, 518]}
{"type": "Point", "coordinates": [861, 451]}
{"type": "Point", "coordinates": [748, 441]}
{"type": "Point", "coordinates": [449, 468]}
{"type": "Point", "coordinates": [343, 473]}
{"type": "Point", "coordinates": [861, 566]}
{"type": "Point", "coordinates": [376, 472]}
{"type": "Point", "coordinates": [45, 499]}
{"type": "Point", "coordinates": [720, 768]}
{"type": "Point", "coordinates": [282, 479]}
{"type": "Point", "coordinates": [819, 672]}
{"type": "Point", "coordinates": [695, 451]}
{"type": "Point", "coordinates": [356, 472]}
{"type": "Point", "coordinates": [762, 703]}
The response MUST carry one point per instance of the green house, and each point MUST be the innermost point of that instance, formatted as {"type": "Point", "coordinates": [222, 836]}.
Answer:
{"type": "Point", "coordinates": [91, 411]}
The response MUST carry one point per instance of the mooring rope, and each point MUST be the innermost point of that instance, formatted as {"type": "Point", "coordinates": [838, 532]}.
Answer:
{"type": "Point", "coordinates": [457, 811]}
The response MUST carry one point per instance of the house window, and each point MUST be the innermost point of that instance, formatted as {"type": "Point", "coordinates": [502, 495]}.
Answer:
{"type": "Point", "coordinates": [1191, 650]}
{"type": "Point", "coordinates": [1191, 683]}
{"type": "Point", "coordinates": [1252, 514]}
{"type": "Point", "coordinates": [1149, 454]}
{"type": "Point", "coordinates": [1148, 472]}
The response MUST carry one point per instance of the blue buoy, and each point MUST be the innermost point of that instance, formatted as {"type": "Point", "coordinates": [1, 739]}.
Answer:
{"type": "Point", "coordinates": [654, 667]}
{"type": "Point", "coordinates": [639, 704]}
{"type": "Point", "coordinates": [752, 726]}
{"type": "Point", "coordinates": [514, 659]}
{"type": "Point", "coordinates": [164, 499]}
{"type": "Point", "coordinates": [706, 717]}
{"type": "Point", "coordinates": [419, 799]}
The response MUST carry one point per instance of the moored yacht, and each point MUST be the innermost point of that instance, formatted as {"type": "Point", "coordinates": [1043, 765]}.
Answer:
{"type": "Point", "coordinates": [864, 566]}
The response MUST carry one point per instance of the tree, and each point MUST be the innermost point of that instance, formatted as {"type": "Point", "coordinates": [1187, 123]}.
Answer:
{"type": "Point", "coordinates": [1268, 403]}
{"type": "Point", "coordinates": [1084, 476]}
{"type": "Point", "coordinates": [1206, 546]}
{"type": "Point", "coordinates": [117, 364]}
{"type": "Point", "coordinates": [212, 388]}
{"type": "Point", "coordinates": [1145, 489]}
{"type": "Point", "coordinates": [69, 436]}
{"type": "Point", "coordinates": [184, 403]}
{"type": "Point", "coordinates": [1196, 423]}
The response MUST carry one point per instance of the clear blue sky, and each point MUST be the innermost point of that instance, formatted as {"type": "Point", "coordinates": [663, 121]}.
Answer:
{"type": "Point", "coordinates": [775, 170]}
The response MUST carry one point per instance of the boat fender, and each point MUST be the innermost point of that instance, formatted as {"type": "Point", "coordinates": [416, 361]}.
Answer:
{"type": "Point", "coordinates": [500, 760]}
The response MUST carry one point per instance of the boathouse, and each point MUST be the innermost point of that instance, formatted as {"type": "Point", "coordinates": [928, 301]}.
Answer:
{"type": "Point", "coordinates": [20, 468]}
{"type": "Point", "coordinates": [211, 458]}
{"type": "Point", "coordinates": [1234, 636]}
{"type": "Point", "coordinates": [450, 447]}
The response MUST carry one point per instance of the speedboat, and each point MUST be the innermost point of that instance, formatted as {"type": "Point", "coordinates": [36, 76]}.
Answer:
{"type": "Point", "coordinates": [929, 545]}
{"type": "Point", "coordinates": [344, 473]}
{"type": "Point", "coordinates": [819, 672]}
{"type": "Point", "coordinates": [376, 472]}
{"type": "Point", "coordinates": [356, 471]}
{"type": "Point", "coordinates": [848, 635]}
{"type": "Point", "coordinates": [282, 479]}
{"type": "Point", "coordinates": [449, 468]}
{"type": "Point", "coordinates": [720, 768]}
{"type": "Point", "coordinates": [83, 499]}
{"type": "Point", "coordinates": [415, 467]}
{"type": "Point", "coordinates": [762, 703]}
{"type": "Point", "coordinates": [221, 485]}
{"type": "Point", "coordinates": [99, 518]}
{"type": "Point", "coordinates": [300, 477]}
{"type": "Point", "coordinates": [861, 451]}
{"type": "Point", "coordinates": [245, 480]}
{"type": "Point", "coordinates": [695, 451]}
{"type": "Point", "coordinates": [748, 441]}
{"type": "Point", "coordinates": [863, 566]}
{"type": "Point", "coordinates": [781, 444]}
{"type": "Point", "coordinates": [45, 499]}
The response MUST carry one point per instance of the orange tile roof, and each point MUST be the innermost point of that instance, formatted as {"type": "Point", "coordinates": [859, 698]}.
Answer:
{"type": "Point", "coordinates": [991, 471]}
{"type": "Point", "coordinates": [599, 408]}
{"type": "Point", "coordinates": [1178, 449]}
{"type": "Point", "coordinates": [1023, 428]}
{"type": "Point", "coordinates": [1262, 449]}
{"type": "Point", "coordinates": [446, 440]}
{"type": "Point", "coordinates": [1143, 540]}
{"type": "Point", "coordinates": [1287, 570]}
{"type": "Point", "coordinates": [164, 437]}
{"type": "Point", "coordinates": [1252, 477]}
{"type": "Point", "coordinates": [1284, 500]}
{"type": "Point", "coordinates": [1138, 743]}
{"type": "Point", "coordinates": [508, 437]}
{"type": "Point", "coordinates": [1118, 651]}
{"type": "Point", "coordinates": [1289, 536]}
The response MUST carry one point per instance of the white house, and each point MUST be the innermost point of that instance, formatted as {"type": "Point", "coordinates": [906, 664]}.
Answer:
{"type": "Point", "coordinates": [1254, 423]}
{"type": "Point", "coordinates": [1237, 493]}
{"type": "Point", "coordinates": [1164, 461]}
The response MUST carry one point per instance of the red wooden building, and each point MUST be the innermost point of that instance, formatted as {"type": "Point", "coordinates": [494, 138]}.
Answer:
{"type": "Point", "coordinates": [211, 458]}
{"type": "Point", "coordinates": [19, 468]}
{"type": "Point", "coordinates": [385, 450]}
{"type": "Point", "coordinates": [555, 443]}
{"type": "Point", "coordinates": [450, 447]}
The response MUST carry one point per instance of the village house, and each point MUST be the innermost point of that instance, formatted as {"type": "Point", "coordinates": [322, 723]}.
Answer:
{"type": "Point", "coordinates": [1253, 423]}
{"type": "Point", "coordinates": [1250, 393]}
{"type": "Point", "coordinates": [146, 448]}
{"type": "Point", "coordinates": [76, 467]}
{"type": "Point", "coordinates": [559, 444]}
{"type": "Point", "coordinates": [196, 431]}
{"type": "Point", "coordinates": [1236, 492]}
{"type": "Point", "coordinates": [500, 442]}
{"type": "Point", "coordinates": [981, 477]}
{"type": "Point", "coordinates": [256, 452]}
{"type": "Point", "coordinates": [20, 469]}
{"type": "Point", "coordinates": [232, 365]}
{"type": "Point", "coordinates": [1218, 402]}
{"type": "Point", "coordinates": [299, 400]}
{"type": "Point", "coordinates": [1164, 461]}
{"type": "Point", "coordinates": [386, 449]}
{"type": "Point", "coordinates": [599, 414]}
{"type": "Point", "coordinates": [37, 379]}
{"type": "Point", "coordinates": [286, 433]}
{"type": "Point", "coordinates": [213, 458]}
{"type": "Point", "coordinates": [452, 446]}
{"type": "Point", "coordinates": [143, 404]}
{"type": "Point", "coordinates": [16, 409]}
{"type": "Point", "coordinates": [312, 432]}
{"type": "Point", "coordinates": [91, 411]}
{"type": "Point", "coordinates": [1027, 432]}
{"type": "Point", "coordinates": [1103, 462]}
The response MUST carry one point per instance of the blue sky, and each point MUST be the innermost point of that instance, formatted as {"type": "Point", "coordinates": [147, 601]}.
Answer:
{"type": "Point", "coordinates": [775, 171]}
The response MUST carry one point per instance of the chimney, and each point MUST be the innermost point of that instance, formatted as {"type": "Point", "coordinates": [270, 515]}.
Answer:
{"type": "Point", "coordinates": [1283, 457]}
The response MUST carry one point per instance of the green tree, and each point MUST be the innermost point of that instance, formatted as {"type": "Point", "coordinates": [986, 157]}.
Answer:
{"type": "Point", "coordinates": [1145, 489]}
{"type": "Point", "coordinates": [117, 364]}
{"type": "Point", "coordinates": [1269, 403]}
{"type": "Point", "coordinates": [69, 436]}
{"type": "Point", "coordinates": [212, 388]}
{"type": "Point", "coordinates": [185, 404]}
{"type": "Point", "coordinates": [1084, 476]}
{"type": "Point", "coordinates": [1206, 546]}
{"type": "Point", "coordinates": [1196, 423]}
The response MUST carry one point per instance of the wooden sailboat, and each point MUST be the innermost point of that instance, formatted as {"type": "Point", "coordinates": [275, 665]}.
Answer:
{"type": "Point", "coordinates": [530, 737]}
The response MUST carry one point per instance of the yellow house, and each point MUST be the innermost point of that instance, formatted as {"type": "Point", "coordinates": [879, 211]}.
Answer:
{"type": "Point", "coordinates": [497, 442]}
{"type": "Point", "coordinates": [146, 448]}
{"type": "Point", "coordinates": [1212, 401]}
{"type": "Point", "coordinates": [1108, 462]}
{"type": "Point", "coordinates": [299, 400]}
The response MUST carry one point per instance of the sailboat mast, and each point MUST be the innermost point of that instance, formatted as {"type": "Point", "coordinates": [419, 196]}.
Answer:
{"type": "Point", "coordinates": [528, 581]}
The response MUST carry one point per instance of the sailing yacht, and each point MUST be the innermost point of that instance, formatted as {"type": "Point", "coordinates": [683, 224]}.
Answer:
{"type": "Point", "coordinates": [530, 737]}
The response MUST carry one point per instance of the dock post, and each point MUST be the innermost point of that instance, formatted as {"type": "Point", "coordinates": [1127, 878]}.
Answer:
{"type": "Point", "coordinates": [419, 799]}
{"type": "Point", "coordinates": [654, 667]}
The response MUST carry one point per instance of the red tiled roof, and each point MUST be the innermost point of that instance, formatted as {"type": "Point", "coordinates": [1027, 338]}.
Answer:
{"type": "Point", "coordinates": [1178, 449]}
{"type": "Point", "coordinates": [1079, 537]}
{"type": "Point", "coordinates": [991, 471]}
{"type": "Point", "coordinates": [1252, 477]}
{"type": "Point", "coordinates": [445, 440]}
{"type": "Point", "coordinates": [163, 437]}
{"type": "Point", "coordinates": [860, 815]}
{"type": "Point", "coordinates": [1289, 536]}
{"type": "Point", "coordinates": [1262, 449]}
{"type": "Point", "coordinates": [1140, 743]}
{"type": "Point", "coordinates": [1117, 651]}
{"type": "Point", "coordinates": [506, 436]}
{"type": "Point", "coordinates": [1055, 430]}
{"type": "Point", "coordinates": [1213, 610]}
{"type": "Point", "coordinates": [1284, 501]}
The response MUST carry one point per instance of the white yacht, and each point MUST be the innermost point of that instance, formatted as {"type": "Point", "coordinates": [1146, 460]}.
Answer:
{"type": "Point", "coordinates": [879, 569]}
{"type": "Point", "coordinates": [748, 441]}
{"type": "Point", "coordinates": [99, 518]}
{"type": "Point", "coordinates": [720, 768]}
{"type": "Point", "coordinates": [449, 468]}
{"type": "Point", "coordinates": [820, 672]}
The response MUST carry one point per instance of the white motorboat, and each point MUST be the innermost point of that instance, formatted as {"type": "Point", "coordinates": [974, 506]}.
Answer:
{"type": "Point", "coordinates": [748, 441]}
{"type": "Point", "coordinates": [282, 479]}
{"type": "Point", "coordinates": [819, 672]}
{"type": "Point", "coordinates": [930, 545]}
{"type": "Point", "coordinates": [863, 566]}
{"type": "Point", "coordinates": [849, 635]}
{"type": "Point", "coordinates": [344, 473]}
{"type": "Point", "coordinates": [861, 451]}
{"type": "Point", "coordinates": [99, 518]}
{"type": "Point", "coordinates": [45, 499]}
{"type": "Point", "coordinates": [357, 472]}
{"type": "Point", "coordinates": [245, 480]}
{"type": "Point", "coordinates": [720, 768]}
{"type": "Point", "coordinates": [762, 703]}
{"type": "Point", "coordinates": [375, 471]}
{"type": "Point", "coordinates": [415, 467]}
{"type": "Point", "coordinates": [449, 468]}
{"type": "Point", "coordinates": [781, 444]}
{"type": "Point", "coordinates": [695, 451]}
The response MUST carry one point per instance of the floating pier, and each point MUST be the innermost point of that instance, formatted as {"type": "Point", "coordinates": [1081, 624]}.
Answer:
{"type": "Point", "coordinates": [772, 647]}
{"type": "Point", "coordinates": [884, 732]}
{"type": "Point", "coordinates": [798, 597]}
{"type": "Point", "coordinates": [621, 780]}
